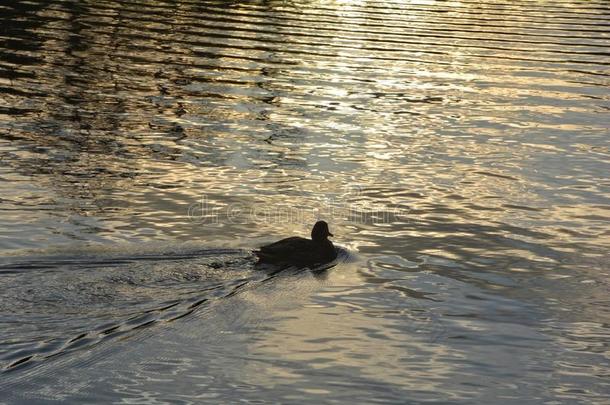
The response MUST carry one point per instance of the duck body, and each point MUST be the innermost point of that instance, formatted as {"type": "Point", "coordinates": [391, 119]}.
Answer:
{"type": "Point", "coordinates": [300, 251]}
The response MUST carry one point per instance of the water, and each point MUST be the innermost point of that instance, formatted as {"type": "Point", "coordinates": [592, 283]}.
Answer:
{"type": "Point", "coordinates": [459, 151]}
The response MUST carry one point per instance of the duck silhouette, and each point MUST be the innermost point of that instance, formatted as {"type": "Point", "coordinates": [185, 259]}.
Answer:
{"type": "Point", "coordinates": [300, 251]}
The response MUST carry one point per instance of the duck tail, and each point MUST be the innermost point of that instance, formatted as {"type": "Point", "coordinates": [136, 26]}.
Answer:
{"type": "Point", "coordinates": [263, 256]}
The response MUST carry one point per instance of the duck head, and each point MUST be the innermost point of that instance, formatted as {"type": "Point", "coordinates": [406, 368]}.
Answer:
{"type": "Point", "coordinates": [320, 232]}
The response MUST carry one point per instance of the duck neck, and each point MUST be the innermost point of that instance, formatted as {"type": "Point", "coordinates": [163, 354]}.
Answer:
{"type": "Point", "coordinates": [320, 241]}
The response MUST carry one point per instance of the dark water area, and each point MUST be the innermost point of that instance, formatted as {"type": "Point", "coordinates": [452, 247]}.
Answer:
{"type": "Point", "coordinates": [459, 150]}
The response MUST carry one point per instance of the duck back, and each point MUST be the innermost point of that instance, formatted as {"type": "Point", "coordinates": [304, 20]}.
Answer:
{"type": "Point", "coordinates": [297, 251]}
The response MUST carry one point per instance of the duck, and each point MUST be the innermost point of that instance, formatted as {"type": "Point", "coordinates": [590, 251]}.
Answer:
{"type": "Point", "coordinates": [300, 251]}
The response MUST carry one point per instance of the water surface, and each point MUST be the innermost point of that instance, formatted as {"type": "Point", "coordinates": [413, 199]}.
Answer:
{"type": "Point", "coordinates": [459, 150]}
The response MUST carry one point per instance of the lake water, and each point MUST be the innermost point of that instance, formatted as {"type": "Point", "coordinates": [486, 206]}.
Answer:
{"type": "Point", "coordinates": [460, 151]}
